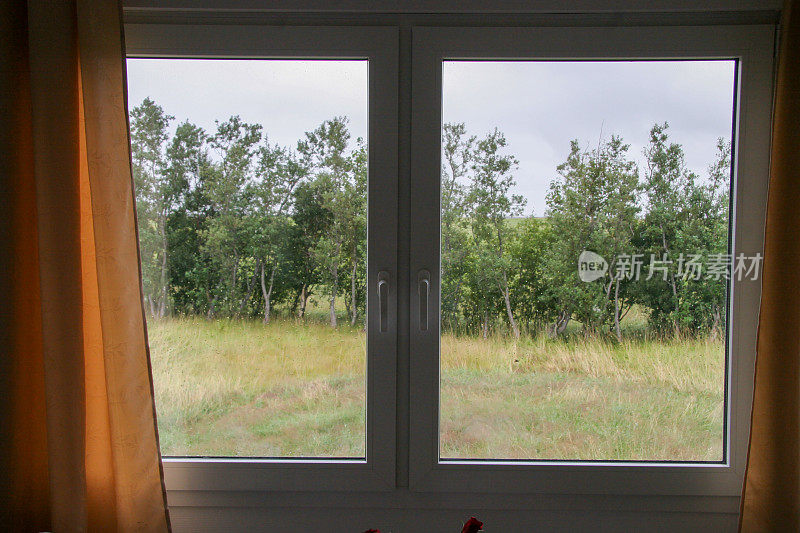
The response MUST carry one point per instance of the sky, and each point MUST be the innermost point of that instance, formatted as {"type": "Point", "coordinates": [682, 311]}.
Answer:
{"type": "Point", "coordinates": [287, 97]}
{"type": "Point", "coordinates": [539, 106]}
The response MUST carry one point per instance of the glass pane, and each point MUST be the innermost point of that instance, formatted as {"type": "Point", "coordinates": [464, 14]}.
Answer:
{"type": "Point", "coordinates": [585, 259]}
{"type": "Point", "coordinates": [251, 180]}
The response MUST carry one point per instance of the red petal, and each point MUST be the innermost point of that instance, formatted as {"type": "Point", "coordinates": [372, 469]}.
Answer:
{"type": "Point", "coordinates": [472, 525]}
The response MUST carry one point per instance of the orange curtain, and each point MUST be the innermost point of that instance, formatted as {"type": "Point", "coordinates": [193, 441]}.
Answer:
{"type": "Point", "coordinates": [771, 496]}
{"type": "Point", "coordinates": [80, 443]}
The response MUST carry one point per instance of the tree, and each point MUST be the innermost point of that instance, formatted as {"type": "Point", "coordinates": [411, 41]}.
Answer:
{"type": "Point", "coordinates": [492, 206]}
{"type": "Point", "coordinates": [226, 236]}
{"type": "Point", "coordinates": [156, 195]}
{"type": "Point", "coordinates": [701, 302]}
{"type": "Point", "coordinates": [679, 215]}
{"type": "Point", "coordinates": [324, 150]}
{"type": "Point", "coordinates": [310, 221]}
{"type": "Point", "coordinates": [356, 230]}
{"type": "Point", "coordinates": [278, 173]}
{"type": "Point", "coordinates": [457, 158]}
{"type": "Point", "coordinates": [188, 164]}
{"type": "Point", "coordinates": [592, 205]}
{"type": "Point", "coordinates": [531, 245]}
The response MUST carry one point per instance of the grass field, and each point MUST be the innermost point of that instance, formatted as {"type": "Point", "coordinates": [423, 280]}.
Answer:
{"type": "Point", "coordinates": [243, 388]}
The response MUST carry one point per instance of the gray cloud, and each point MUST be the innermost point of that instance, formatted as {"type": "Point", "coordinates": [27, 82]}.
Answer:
{"type": "Point", "coordinates": [287, 97]}
{"type": "Point", "coordinates": [540, 106]}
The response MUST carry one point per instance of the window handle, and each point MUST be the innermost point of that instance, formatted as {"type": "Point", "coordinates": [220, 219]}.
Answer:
{"type": "Point", "coordinates": [424, 287]}
{"type": "Point", "coordinates": [383, 297]}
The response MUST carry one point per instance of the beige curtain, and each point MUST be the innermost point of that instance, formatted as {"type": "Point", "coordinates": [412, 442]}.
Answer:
{"type": "Point", "coordinates": [771, 496]}
{"type": "Point", "coordinates": [80, 446]}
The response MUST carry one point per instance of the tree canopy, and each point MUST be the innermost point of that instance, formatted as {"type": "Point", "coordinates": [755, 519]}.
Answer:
{"type": "Point", "coordinates": [232, 225]}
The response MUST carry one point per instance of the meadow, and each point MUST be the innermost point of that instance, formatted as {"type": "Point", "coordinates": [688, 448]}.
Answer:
{"type": "Point", "coordinates": [296, 389]}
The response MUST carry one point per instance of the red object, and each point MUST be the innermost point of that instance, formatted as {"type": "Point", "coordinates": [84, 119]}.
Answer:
{"type": "Point", "coordinates": [373, 531]}
{"type": "Point", "coordinates": [472, 525]}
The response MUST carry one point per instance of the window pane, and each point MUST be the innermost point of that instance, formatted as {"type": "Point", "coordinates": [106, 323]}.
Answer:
{"type": "Point", "coordinates": [584, 257]}
{"type": "Point", "coordinates": [251, 180]}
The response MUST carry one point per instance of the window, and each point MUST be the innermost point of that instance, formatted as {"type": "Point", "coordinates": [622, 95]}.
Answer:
{"type": "Point", "coordinates": [252, 221]}
{"type": "Point", "coordinates": [623, 162]}
{"type": "Point", "coordinates": [280, 156]}
{"type": "Point", "coordinates": [464, 405]}
{"type": "Point", "coordinates": [453, 418]}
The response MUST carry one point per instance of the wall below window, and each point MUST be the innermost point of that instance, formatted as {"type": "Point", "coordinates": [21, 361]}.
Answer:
{"type": "Point", "coordinates": [405, 511]}
{"type": "Point", "coordinates": [441, 520]}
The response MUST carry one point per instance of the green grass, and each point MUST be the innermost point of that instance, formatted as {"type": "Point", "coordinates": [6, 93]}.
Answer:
{"type": "Point", "coordinates": [243, 388]}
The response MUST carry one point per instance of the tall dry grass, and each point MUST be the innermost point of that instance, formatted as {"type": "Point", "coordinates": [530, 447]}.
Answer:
{"type": "Point", "coordinates": [297, 389]}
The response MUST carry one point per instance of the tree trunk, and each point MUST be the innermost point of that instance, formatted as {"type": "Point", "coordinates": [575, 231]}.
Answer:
{"type": "Point", "coordinates": [332, 298]}
{"type": "Point", "coordinates": [332, 312]}
{"type": "Point", "coordinates": [152, 307]}
{"type": "Point", "coordinates": [303, 301]}
{"type": "Point", "coordinates": [716, 327]}
{"type": "Point", "coordinates": [560, 324]}
{"type": "Point", "coordinates": [563, 324]}
{"type": "Point", "coordinates": [295, 303]}
{"type": "Point", "coordinates": [162, 310]}
{"type": "Point", "coordinates": [616, 311]}
{"type": "Point", "coordinates": [485, 327]}
{"type": "Point", "coordinates": [507, 298]}
{"type": "Point", "coordinates": [251, 285]}
{"type": "Point", "coordinates": [267, 293]}
{"type": "Point", "coordinates": [353, 304]}
{"type": "Point", "coordinates": [211, 305]}
{"type": "Point", "coordinates": [456, 303]}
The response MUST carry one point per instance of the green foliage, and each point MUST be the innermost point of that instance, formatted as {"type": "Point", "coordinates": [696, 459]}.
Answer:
{"type": "Point", "coordinates": [686, 220]}
{"type": "Point", "coordinates": [591, 206]}
{"type": "Point", "coordinates": [232, 225]}
{"type": "Point", "coordinates": [498, 268]}
{"type": "Point", "coordinates": [224, 214]}
{"type": "Point", "coordinates": [157, 191]}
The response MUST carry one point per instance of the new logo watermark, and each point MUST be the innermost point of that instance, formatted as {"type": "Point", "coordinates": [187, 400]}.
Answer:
{"type": "Point", "coordinates": [592, 266]}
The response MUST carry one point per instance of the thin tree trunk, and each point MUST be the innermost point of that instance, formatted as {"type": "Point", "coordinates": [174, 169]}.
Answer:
{"type": "Point", "coordinates": [332, 299]}
{"type": "Point", "coordinates": [303, 301]}
{"type": "Point", "coordinates": [354, 316]}
{"type": "Point", "coordinates": [507, 298]}
{"type": "Point", "coordinates": [563, 324]}
{"type": "Point", "coordinates": [456, 303]}
{"type": "Point", "coordinates": [485, 324]}
{"type": "Point", "coordinates": [616, 311]}
{"type": "Point", "coordinates": [152, 307]}
{"type": "Point", "coordinates": [560, 324]}
{"type": "Point", "coordinates": [211, 305]}
{"type": "Point", "coordinates": [267, 293]}
{"type": "Point", "coordinates": [250, 288]}
{"type": "Point", "coordinates": [673, 284]}
{"type": "Point", "coordinates": [164, 271]}
{"type": "Point", "coordinates": [212, 302]}
{"type": "Point", "coordinates": [296, 303]}
{"type": "Point", "coordinates": [332, 311]}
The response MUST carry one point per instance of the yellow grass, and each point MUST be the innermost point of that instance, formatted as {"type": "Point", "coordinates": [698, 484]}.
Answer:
{"type": "Point", "coordinates": [294, 389]}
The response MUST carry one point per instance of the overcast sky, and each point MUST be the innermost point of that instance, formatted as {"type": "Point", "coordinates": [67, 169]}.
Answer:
{"type": "Point", "coordinates": [540, 106]}
{"type": "Point", "coordinates": [288, 98]}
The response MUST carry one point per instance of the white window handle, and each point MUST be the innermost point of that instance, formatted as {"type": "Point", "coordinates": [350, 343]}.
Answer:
{"type": "Point", "coordinates": [424, 279]}
{"type": "Point", "coordinates": [383, 297]}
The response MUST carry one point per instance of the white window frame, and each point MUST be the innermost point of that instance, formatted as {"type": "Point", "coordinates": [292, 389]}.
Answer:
{"type": "Point", "coordinates": [379, 46]}
{"type": "Point", "coordinates": [402, 479]}
{"type": "Point", "coordinates": [752, 46]}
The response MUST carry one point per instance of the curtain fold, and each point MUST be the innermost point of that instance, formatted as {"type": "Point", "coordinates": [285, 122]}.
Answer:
{"type": "Point", "coordinates": [82, 446]}
{"type": "Point", "coordinates": [771, 494]}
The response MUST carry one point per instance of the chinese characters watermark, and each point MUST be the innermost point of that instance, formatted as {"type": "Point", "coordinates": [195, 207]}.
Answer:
{"type": "Point", "coordinates": [593, 266]}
